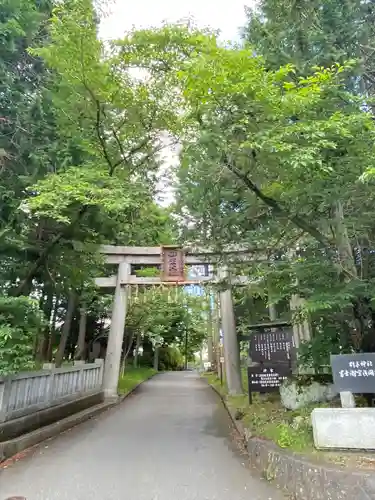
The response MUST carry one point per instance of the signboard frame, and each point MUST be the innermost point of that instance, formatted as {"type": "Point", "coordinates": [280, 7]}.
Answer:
{"type": "Point", "coordinates": [281, 371]}
{"type": "Point", "coordinates": [354, 373]}
{"type": "Point", "coordinates": [278, 355]}
{"type": "Point", "coordinates": [272, 347]}
{"type": "Point", "coordinates": [173, 263]}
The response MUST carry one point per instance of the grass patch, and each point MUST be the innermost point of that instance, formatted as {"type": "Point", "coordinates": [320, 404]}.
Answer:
{"type": "Point", "coordinates": [290, 429]}
{"type": "Point", "coordinates": [267, 418]}
{"type": "Point", "coordinates": [133, 377]}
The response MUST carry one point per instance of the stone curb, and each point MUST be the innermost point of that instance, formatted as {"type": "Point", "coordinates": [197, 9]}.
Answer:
{"type": "Point", "coordinates": [297, 476]}
{"type": "Point", "coordinates": [10, 448]}
{"type": "Point", "coordinates": [124, 396]}
{"type": "Point", "coordinates": [18, 444]}
{"type": "Point", "coordinates": [237, 423]}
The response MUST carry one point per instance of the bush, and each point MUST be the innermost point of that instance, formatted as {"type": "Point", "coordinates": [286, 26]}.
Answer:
{"type": "Point", "coordinates": [170, 358]}
{"type": "Point", "coordinates": [20, 322]}
{"type": "Point", "coordinates": [146, 360]}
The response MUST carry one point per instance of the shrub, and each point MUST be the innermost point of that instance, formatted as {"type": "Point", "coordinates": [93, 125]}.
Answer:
{"type": "Point", "coordinates": [20, 322]}
{"type": "Point", "coordinates": [170, 358]}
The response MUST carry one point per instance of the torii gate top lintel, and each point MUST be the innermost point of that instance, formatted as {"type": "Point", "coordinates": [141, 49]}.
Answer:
{"type": "Point", "coordinates": [154, 256]}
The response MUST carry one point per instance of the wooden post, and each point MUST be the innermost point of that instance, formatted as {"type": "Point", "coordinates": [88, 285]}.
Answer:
{"type": "Point", "coordinates": [116, 334]}
{"type": "Point", "coordinates": [231, 344]}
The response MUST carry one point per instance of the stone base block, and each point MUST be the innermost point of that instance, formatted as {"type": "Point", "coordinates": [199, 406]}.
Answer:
{"type": "Point", "coordinates": [28, 423]}
{"type": "Point", "coordinates": [344, 428]}
{"type": "Point", "coordinates": [294, 396]}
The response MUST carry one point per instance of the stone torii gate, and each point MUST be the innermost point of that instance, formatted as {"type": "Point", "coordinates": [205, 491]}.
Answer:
{"type": "Point", "coordinates": [124, 257]}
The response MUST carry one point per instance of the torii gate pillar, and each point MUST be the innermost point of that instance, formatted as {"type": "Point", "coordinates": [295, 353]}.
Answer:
{"type": "Point", "coordinates": [231, 344]}
{"type": "Point", "coordinates": [116, 334]}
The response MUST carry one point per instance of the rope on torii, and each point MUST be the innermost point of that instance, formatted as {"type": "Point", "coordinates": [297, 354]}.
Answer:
{"type": "Point", "coordinates": [142, 293]}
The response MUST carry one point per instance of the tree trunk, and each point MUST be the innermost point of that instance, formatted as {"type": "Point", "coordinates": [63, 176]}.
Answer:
{"type": "Point", "coordinates": [216, 323]}
{"type": "Point", "coordinates": [48, 309]}
{"type": "Point", "coordinates": [66, 328]}
{"type": "Point", "coordinates": [53, 329]}
{"type": "Point", "coordinates": [136, 354]}
{"type": "Point", "coordinates": [360, 315]}
{"type": "Point", "coordinates": [156, 358]}
{"type": "Point", "coordinates": [126, 353]}
{"type": "Point", "coordinates": [272, 312]}
{"type": "Point", "coordinates": [344, 248]}
{"type": "Point", "coordinates": [129, 346]}
{"type": "Point", "coordinates": [81, 343]}
{"type": "Point", "coordinates": [38, 341]}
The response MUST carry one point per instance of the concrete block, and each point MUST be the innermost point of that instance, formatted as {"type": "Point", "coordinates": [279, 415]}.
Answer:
{"type": "Point", "coordinates": [347, 400]}
{"type": "Point", "coordinates": [28, 423]}
{"type": "Point", "coordinates": [344, 428]}
{"type": "Point", "coordinates": [20, 443]}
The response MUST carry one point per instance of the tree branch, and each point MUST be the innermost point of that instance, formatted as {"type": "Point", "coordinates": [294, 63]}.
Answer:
{"type": "Point", "coordinates": [276, 207]}
{"type": "Point", "coordinates": [134, 149]}
{"type": "Point", "coordinates": [156, 150]}
{"type": "Point", "coordinates": [119, 144]}
{"type": "Point", "coordinates": [46, 252]}
{"type": "Point", "coordinates": [101, 138]}
{"type": "Point", "coordinates": [98, 112]}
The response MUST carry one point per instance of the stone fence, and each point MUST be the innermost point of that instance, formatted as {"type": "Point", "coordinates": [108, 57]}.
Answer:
{"type": "Point", "coordinates": [26, 393]}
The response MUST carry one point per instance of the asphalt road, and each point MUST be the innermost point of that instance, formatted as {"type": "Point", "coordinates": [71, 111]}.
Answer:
{"type": "Point", "coordinates": [168, 441]}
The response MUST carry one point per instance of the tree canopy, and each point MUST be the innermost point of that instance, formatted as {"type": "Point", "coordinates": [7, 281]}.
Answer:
{"type": "Point", "coordinates": [276, 154]}
{"type": "Point", "coordinates": [80, 155]}
{"type": "Point", "coordinates": [282, 163]}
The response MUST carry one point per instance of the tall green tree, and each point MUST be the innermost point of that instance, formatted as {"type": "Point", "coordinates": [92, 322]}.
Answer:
{"type": "Point", "coordinates": [315, 33]}
{"type": "Point", "coordinates": [114, 119]}
{"type": "Point", "coordinates": [167, 318]}
{"type": "Point", "coordinates": [276, 161]}
{"type": "Point", "coordinates": [79, 157]}
{"type": "Point", "coordinates": [27, 135]}
{"type": "Point", "coordinates": [321, 34]}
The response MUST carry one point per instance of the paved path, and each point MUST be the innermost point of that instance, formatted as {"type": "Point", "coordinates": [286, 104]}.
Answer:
{"type": "Point", "coordinates": [168, 441]}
